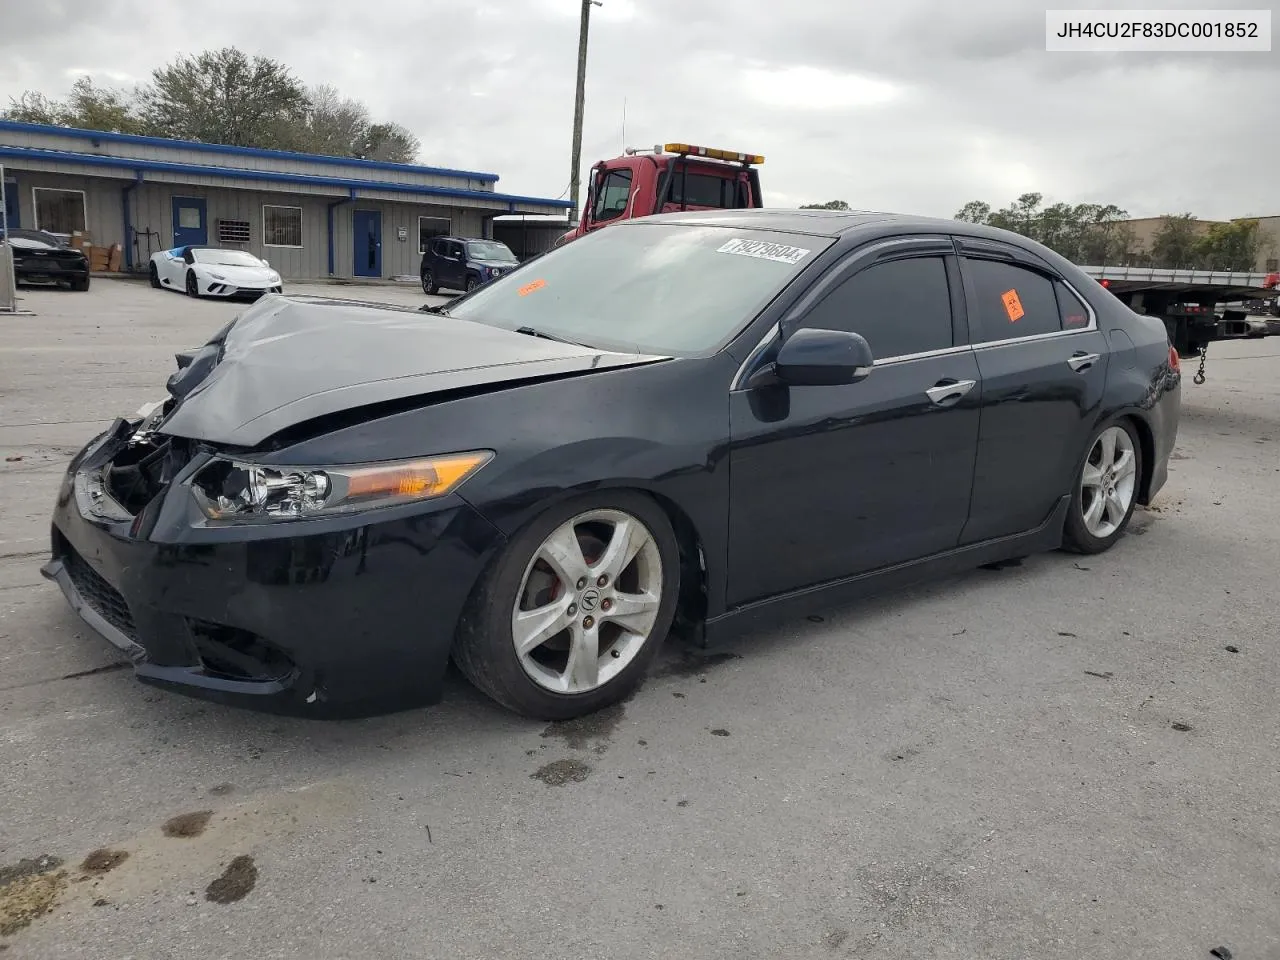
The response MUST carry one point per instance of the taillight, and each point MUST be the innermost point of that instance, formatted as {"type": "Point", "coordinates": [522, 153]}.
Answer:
{"type": "Point", "coordinates": [1174, 362]}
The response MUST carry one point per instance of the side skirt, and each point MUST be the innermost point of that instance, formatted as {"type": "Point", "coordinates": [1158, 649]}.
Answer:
{"type": "Point", "coordinates": [1043, 539]}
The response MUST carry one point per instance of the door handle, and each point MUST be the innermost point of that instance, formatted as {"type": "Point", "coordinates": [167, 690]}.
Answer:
{"type": "Point", "coordinates": [1081, 361]}
{"type": "Point", "coordinates": [947, 392]}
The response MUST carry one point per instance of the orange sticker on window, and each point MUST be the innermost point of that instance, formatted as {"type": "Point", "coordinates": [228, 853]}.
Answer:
{"type": "Point", "coordinates": [1012, 305]}
{"type": "Point", "coordinates": [528, 288]}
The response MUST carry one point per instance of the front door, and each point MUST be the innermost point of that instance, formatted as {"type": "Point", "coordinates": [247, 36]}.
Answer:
{"type": "Point", "coordinates": [11, 203]}
{"type": "Point", "coordinates": [830, 482]}
{"type": "Point", "coordinates": [190, 222]}
{"type": "Point", "coordinates": [1044, 372]}
{"type": "Point", "coordinates": [366, 229]}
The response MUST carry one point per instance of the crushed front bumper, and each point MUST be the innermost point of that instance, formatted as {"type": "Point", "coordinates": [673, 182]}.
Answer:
{"type": "Point", "coordinates": [323, 617]}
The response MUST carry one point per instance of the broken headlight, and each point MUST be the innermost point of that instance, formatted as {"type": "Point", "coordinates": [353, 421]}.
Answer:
{"type": "Point", "coordinates": [235, 491]}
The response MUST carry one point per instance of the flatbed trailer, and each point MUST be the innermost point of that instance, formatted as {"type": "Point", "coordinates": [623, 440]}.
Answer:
{"type": "Point", "coordinates": [1195, 305]}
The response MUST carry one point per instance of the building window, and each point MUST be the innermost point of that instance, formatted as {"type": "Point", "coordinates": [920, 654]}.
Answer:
{"type": "Point", "coordinates": [233, 231]}
{"type": "Point", "coordinates": [429, 228]}
{"type": "Point", "coordinates": [281, 226]}
{"type": "Point", "coordinates": [59, 211]}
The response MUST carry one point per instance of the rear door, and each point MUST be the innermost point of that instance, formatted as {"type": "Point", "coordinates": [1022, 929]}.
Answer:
{"type": "Point", "coordinates": [1043, 364]}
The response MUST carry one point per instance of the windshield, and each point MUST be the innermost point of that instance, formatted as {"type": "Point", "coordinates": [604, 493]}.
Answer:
{"type": "Point", "coordinates": [226, 258]}
{"type": "Point", "coordinates": [490, 250]}
{"type": "Point", "coordinates": [669, 289]}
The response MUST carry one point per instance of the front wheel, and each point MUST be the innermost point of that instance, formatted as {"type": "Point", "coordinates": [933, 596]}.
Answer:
{"type": "Point", "coordinates": [573, 611]}
{"type": "Point", "coordinates": [472, 283]}
{"type": "Point", "coordinates": [1106, 490]}
{"type": "Point", "coordinates": [429, 285]}
{"type": "Point", "coordinates": [81, 284]}
{"type": "Point", "coordinates": [153, 275]}
{"type": "Point", "coordinates": [193, 285]}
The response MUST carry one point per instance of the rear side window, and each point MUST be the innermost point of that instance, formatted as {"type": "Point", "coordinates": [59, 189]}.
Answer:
{"type": "Point", "coordinates": [1072, 311]}
{"type": "Point", "coordinates": [614, 193]}
{"type": "Point", "coordinates": [704, 190]}
{"type": "Point", "coordinates": [900, 306]}
{"type": "Point", "coordinates": [1007, 302]}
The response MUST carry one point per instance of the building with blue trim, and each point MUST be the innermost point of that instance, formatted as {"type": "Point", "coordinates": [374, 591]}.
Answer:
{"type": "Point", "coordinates": [310, 216]}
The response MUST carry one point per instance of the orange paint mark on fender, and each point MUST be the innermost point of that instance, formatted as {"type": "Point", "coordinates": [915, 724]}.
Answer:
{"type": "Point", "coordinates": [529, 288]}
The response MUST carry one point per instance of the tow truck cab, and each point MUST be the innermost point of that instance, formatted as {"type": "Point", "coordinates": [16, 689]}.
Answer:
{"type": "Point", "coordinates": [670, 177]}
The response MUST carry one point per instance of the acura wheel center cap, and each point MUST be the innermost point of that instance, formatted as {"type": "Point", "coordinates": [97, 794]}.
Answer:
{"type": "Point", "coordinates": [590, 600]}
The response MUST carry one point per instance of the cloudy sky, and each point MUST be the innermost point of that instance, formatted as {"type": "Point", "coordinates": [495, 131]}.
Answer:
{"type": "Point", "coordinates": [909, 105]}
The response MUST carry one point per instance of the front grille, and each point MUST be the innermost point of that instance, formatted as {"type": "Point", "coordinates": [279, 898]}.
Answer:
{"type": "Point", "coordinates": [97, 593]}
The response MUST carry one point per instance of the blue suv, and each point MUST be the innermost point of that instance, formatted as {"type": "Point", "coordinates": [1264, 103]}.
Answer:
{"type": "Point", "coordinates": [458, 263]}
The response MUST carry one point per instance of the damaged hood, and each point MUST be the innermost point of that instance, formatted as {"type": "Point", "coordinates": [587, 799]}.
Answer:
{"type": "Point", "coordinates": [287, 360]}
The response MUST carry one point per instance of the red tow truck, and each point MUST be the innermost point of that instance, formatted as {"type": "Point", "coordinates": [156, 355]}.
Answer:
{"type": "Point", "coordinates": [669, 177]}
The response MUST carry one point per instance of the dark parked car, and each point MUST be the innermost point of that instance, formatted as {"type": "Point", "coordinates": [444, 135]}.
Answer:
{"type": "Point", "coordinates": [456, 263]}
{"type": "Point", "coordinates": [40, 257]}
{"type": "Point", "coordinates": [690, 419]}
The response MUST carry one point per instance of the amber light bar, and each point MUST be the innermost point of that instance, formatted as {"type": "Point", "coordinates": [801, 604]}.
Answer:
{"type": "Point", "coordinates": [712, 153]}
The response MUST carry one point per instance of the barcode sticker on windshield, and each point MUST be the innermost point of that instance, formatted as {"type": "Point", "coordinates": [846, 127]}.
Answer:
{"type": "Point", "coordinates": [763, 250]}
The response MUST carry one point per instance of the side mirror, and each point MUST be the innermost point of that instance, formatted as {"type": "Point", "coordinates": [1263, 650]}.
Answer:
{"type": "Point", "coordinates": [818, 358]}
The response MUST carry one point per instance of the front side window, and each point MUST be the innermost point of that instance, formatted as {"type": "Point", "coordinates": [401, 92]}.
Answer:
{"type": "Point", "coordinates": [59, 211]}
{"type": "Point", "coordinates": [281, 226]}
{"type": "Point", "coordinates": [1008, 302]}
{"type": "Point", "coordinates": [668, 289]}
{"type": "Point", "coordinates": [900, 307]}
{"type": "Point", "coordinates": [614, 193]}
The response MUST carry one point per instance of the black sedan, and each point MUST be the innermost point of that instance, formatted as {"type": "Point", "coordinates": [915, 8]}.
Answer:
{"type": "Point", "coordinates": [678, 423]}
{"type": "Point", "coordinates": [40, 257]}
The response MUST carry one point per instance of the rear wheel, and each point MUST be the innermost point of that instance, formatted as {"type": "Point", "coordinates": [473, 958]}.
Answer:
{"type": "Point", "coordinates": [429, 285]}
{"type": "Point", "coordinates": [1106, 490]}
{"type": "Point", "coordinates": [193, 286]}
{"type": "Point", "coordinates": [574, 609]}
{"type": "Point", "coordinates": [154, 276]}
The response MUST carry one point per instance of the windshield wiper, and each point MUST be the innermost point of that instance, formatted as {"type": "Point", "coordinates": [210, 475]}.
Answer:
{"type": "Point", "coordinates": [438, 309]}
{"type": "Point", "coordinates": [531, 332]}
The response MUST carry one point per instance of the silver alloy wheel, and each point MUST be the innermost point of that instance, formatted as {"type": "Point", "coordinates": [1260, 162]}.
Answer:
{"type": "Point", "coordinates": [587, 602]}
{"type": "Point", "coordinates": [1108, 482]}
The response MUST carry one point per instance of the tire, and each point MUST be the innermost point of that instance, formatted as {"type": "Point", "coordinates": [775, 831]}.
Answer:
{"type": "Point", "coordinates": [80, 285]}
{"type": "Point", "coordinates": [429, 285]}
{"type": "Point", "coordinates": [154, 276]}
{"type": "Point", "coordinates": [1081, 533]}
{"type": "Point", "coordinates": [541, 684]}
{"type": "Point", "coordinates": [472, 283]}
{"type": "Point", "coordinates": [193, 285]}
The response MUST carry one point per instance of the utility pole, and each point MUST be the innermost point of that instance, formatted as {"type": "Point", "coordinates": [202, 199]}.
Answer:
{"type": "Point", "coordinates": [578, 103]}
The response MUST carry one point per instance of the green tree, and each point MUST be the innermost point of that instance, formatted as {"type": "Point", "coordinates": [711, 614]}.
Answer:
{"type": "Point", "coordinates": [1083, 232]}
{"type": "Point", "coordinates": [87, 106]}
{"type": "Point", "coordinates": [390, 142]}
{"type": "Point", "coordinates": [1176, 242]}
{"type": "Point", "coordinates": [1230, 246]}
{"type": "Point", "coordinates": [223, 96]}
{"type": "Point", "coordinates": [975, 211]}
{"type": "Point", "coordinates": [829, 205]}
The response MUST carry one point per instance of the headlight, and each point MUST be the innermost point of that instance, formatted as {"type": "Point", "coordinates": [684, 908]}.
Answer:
{"type": "Point", "coordinates": [217, 276]}
{"type": "Point", "coordinates": [275, 278]}
{"type": "Point", "coordinates": [234, 491]}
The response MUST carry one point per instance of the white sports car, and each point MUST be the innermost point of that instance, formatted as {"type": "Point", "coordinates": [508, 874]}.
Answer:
{"type": "Point", "coordinates": [213, 272]}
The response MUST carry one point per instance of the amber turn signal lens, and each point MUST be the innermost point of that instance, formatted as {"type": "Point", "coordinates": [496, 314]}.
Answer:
{"type": "Point", "coordinates": [417, 479]}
